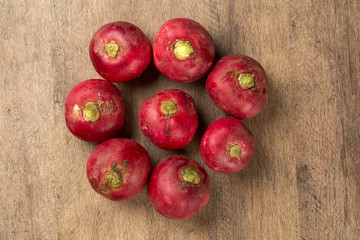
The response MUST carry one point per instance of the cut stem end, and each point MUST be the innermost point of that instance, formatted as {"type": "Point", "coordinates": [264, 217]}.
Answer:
{"type": "Point", "coordinates": [235, 151]}
{"type": "Point", "coordinates": [111, 48]}
{"type": "Point", "coordinates": [246, 80]}
{"type": "Point", "coordinates": [113, 180]}
{"type": "Point", "coordinates": [168, 108]}
{"type": "Point", "coordinates": [91, 112]}
{"type": "Point", "coordinates": [190, 175]}
{"type": "Point", "coordinates": [183, 49]}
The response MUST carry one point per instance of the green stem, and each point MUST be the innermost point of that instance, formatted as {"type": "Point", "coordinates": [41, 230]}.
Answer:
{"type": "Point", "coordinates": [235, 151]}
{"type": "Point", "coordinates": [91, 112]}
{"type": "Point", "coordinates": [246, 80]}
{"type": "Point", "coordinates": [111, 48]}
{"type": "Point", "coordinates": [167, 128]}
{"type": "Point", "coordinates": [168, 108]}
{"type": "Point", "coordinates": [190, 175]}
{"type": "Point", "coordinates": [183, 49]}
{"type": "Point", "coordinates": [113, 180]}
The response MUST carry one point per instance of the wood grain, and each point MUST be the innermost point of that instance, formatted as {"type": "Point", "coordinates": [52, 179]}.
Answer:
{"type": "Point", "coordinates": [304, 181]}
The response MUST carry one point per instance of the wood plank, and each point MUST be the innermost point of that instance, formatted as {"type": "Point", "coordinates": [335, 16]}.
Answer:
{"type": "Point", "coordinates": [319, 91]}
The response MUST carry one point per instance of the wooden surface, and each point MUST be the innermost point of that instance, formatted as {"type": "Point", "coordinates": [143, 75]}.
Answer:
{"type": "Point", "coordinates": [304, 181]}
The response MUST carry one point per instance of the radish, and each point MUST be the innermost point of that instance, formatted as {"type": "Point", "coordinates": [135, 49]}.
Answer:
{"type": "Point", "coordinates": [169, 119]}
{"type": "Point", "coordinates": [94, 110]}
{"type": "Point", "coordinates": [227, 145]}
{"type": "Point", "coordinates": [238, 86]}
{"type": "Point", "coordinates": [179, 187]}
{"type": "Point", "coordinates": [118, 168]}
{"type": "Point", "coordinates": [183, 50]}
{"type": "Point", "coordinates": [120, 51]}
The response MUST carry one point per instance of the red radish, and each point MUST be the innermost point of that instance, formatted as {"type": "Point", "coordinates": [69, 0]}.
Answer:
{"type": "Point", "coordinates": [94, 110]}
{"type": "Point", "coordinates": [227, 146]}
{"type": "Point", "coordinates": [169, 119]}
{"type": "Point", "coordinates": [238, 86]}
{"type": "Point", "coordinates": [118, 168]}
{"type": "Point", "coordinates": [120, 51]}
{"type": "Point", "coordinates": [183, 50]}
{"type": "Point", "coordinates": [179, 187]}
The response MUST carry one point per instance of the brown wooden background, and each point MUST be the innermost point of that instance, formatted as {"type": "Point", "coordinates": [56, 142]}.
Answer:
{"type": "Point", "coordinates": [304, 181]}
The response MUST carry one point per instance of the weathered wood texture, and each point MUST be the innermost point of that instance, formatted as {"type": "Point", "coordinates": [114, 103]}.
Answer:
{"type": "Point", "coordinates": [304, 181]}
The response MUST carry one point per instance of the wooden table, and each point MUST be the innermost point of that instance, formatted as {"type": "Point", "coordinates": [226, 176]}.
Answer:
{"type": "Point", "coordinates": [304, 181]}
